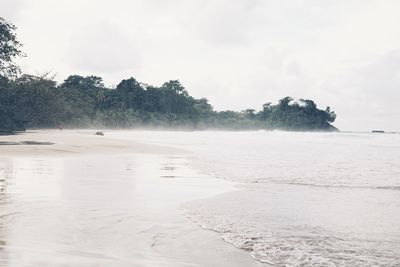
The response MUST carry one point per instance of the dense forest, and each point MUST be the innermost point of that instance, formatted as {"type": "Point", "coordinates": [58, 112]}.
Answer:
{"type": "Point", "coordinates": [28, 101]}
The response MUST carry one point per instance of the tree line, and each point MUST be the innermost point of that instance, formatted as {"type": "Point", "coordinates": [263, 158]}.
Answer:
{"type": "Point", "coordinates": [28, 101]}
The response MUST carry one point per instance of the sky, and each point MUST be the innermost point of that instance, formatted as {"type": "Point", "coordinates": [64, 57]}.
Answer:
{"type": "Point", "coordinates": [237, 53]}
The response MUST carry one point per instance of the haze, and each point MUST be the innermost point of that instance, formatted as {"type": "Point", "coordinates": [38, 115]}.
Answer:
{"type": "Point", "coordinates": [238, 54]}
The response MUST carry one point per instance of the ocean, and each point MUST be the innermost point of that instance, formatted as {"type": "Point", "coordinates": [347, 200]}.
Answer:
{"type": "Point", "coordinates": [213, 198]}
{"type": "Point", "coordinates": [301, 199]}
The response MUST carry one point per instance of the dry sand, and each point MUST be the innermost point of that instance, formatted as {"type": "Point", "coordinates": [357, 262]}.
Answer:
{"type": "Point", "coordinates": [74, 142]}
{"type": "Point", "coordinates": [52, 195]}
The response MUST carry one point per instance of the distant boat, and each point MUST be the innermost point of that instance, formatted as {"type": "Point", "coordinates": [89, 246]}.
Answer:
{"type": "Point", "coordinates": [378, 131]}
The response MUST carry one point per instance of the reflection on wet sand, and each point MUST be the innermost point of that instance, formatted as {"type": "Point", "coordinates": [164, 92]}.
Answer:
{"type": "Point", "coordinates": [30, 143]}
{"type": "Point", "coordinates": [99, 211]}
{"type": "Point", "coordinates": [6, 175]}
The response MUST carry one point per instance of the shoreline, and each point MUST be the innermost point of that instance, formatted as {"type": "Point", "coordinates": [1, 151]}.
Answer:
{"type": "Point", "coordinates": [160, 233]}
{"type": "Point", "coordinates": [74, 142]}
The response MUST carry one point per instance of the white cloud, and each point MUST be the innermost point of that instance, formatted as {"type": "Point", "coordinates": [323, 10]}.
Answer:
{"type": "Point", "coordinates": [11, 10]}
{"type": "Point", "coordinates": [237, 53]}
{"type": "Point", "coordinates": [102, 48]}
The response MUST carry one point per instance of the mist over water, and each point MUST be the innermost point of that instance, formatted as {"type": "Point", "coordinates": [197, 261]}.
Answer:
{"type": "Point", "coordinates": [305, 199]}
{"type": "Point", "coordinates": [300, 199]}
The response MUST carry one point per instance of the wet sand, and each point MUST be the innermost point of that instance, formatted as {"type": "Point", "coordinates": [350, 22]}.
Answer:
{"type": "Point", "coordinates": [95, 201]}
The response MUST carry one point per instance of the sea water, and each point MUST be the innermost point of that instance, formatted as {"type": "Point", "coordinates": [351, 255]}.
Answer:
{"type": "Point", "coordinates": [100, 210]}
{"type": "Point", "coordinates": [304, 199]}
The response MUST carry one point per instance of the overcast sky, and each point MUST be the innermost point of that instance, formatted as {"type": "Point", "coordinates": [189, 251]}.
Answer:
{"type": "Point", "coordinates": [237, 53]}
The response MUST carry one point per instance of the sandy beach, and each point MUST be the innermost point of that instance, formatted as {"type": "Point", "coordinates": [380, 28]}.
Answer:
{"type": "Point", "coordinates": [69, 142]}
{"type": "Point", "coordinates": [91, 200]}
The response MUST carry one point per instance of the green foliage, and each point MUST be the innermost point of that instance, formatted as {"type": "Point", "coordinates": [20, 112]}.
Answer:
{"type": "Point", "coordinates": [9, 49]}
{"type": "Point", "coordinates": [8, 121]}
{"type": "Point", "coordinates": [38, 102]}
{"type": "Point", "coordinates": [302, 115]}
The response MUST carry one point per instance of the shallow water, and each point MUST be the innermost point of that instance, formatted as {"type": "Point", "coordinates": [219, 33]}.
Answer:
{"type": "Point", "coordinates": [306, 199]}
{"type": "Point", "coordinates": [98, 210]}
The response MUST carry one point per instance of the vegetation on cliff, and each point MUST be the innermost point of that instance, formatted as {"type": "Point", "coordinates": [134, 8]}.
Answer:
{"type": "Point", "coordinates": [28, 101]}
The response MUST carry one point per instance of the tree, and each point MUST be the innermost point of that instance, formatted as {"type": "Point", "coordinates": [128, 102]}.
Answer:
{"type": "Point", "coordinates": [309, 105]}
{"type": "Point", "coordinates": [249, 114]}
{"type": "Point", "coordinates": [331, 116]}
{"type": "Point", "coordinates": [37, 101]}
{"type": "Point", "coordinates": [284, 102]}
{"type": "Point", "coordinates": [175, 86]}
{"type": "Point", "coordinates": [9, 49]}
{"type": "Point", "coordinates": [83, 83]}
{"type": "Point", "coordinates": [130, 93]}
